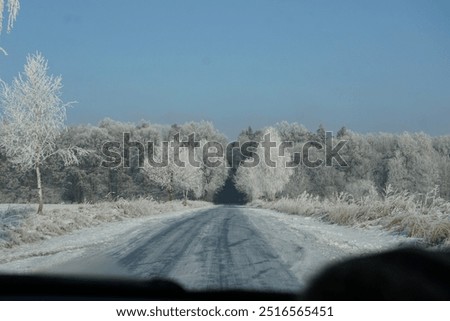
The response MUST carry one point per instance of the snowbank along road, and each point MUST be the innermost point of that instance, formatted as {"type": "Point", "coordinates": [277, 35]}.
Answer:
{"type": "Point", "coordinates": [223, 247]}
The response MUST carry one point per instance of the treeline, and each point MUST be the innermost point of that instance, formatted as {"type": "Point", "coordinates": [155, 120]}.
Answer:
{"type": "Point", "coordinates": [91, 182]}
{"type": "Point", "coordinates": [413, 162]}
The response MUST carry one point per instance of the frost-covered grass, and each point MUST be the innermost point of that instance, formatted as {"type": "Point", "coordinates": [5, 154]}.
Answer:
{"type": "Point", "coordinates": [414, 215]}
{"type": "Point", "coordinates": [11, 217]}
{"type": "Point", "coordinates": [20, 224]}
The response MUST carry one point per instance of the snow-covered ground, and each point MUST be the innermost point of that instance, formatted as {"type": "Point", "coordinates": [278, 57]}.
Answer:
{"type": "Point", "coordinates": [20, 224]}
{"type": "Point", "coordinates": [11, 216]}
{"type": "Point", "coordinates": [415, 215]}
{"type": "Point", "coordinates": [307, 245]}
{"type": "Point", "coordinates": [48, 254]}
{"type": "Point", "coordinates": [219, 247]}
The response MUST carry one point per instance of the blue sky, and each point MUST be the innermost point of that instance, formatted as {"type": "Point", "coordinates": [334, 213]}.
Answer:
{"type": "Point", "coordinates": [368, 65]}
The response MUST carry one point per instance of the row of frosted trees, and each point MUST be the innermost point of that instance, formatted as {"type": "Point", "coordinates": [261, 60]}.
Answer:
{"type": "Point", "coordinates": [408, 162]}
{"type": "Point", "coordinates": [90, 181]}
{"type": "Point", "coordinates": [413, 162]}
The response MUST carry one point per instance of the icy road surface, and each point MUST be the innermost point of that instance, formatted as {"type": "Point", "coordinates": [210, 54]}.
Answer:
{"type": "Point", "coordinates": [215, 248]}
{"type": "Point", "coordinates": [223, 247]}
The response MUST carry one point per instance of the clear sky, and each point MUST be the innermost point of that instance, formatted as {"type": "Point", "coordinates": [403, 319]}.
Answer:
{"type": "Point", "coordinates": [369, 65]}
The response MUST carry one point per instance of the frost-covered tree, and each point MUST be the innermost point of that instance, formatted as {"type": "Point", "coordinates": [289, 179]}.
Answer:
{"type": "Point", "coordinates": [442, 147]}
{"type": "Point", "coordinates": [214, 177]}
{"type": "Point", "coordinates": [265, 180]}
{"type": "Point", "coordinates": [33, 117]}
{"type": "Point", "coordinates": [188, 178]}
{"type": "Point", "coordinates": [12, 8]}
{"type": "Point", "coordinates": [164, 169]}
{"type": "Point", "coordinates": [214, 170]}
{"type": "Point", "coordinates": [415, 165]}
{"type": "Point", "coordinates": [292, 132]}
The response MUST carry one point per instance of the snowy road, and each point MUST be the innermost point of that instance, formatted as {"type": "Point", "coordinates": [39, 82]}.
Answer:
{"type": "Point", "coordinates": [222, 247]}
{"type": "Point", "coordinates": [214, 248]}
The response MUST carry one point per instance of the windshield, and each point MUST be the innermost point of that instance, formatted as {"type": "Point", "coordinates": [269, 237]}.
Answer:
{"type": "Point", "coordinates": [221, 144]}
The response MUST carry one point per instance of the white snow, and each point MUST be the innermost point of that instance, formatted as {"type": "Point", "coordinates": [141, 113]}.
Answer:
{"type": "Point", "coordinates": [304, 244]}
{"type": "Point", "coordinates": [307, 245]}
{"type": "Point", "coordinates": [54, 252]}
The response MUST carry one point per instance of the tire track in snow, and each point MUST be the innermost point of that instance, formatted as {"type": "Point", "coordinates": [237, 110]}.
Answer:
{"type": "Point", "coordinates": [217, 248]}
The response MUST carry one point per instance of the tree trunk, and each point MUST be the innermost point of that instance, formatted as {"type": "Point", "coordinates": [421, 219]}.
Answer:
{"type": "Point", "coordinates": [170, 189]}
{"type": "Point", "coordinates": [185, 198]}
{"type": "Point", "coordinates": [39, 186]}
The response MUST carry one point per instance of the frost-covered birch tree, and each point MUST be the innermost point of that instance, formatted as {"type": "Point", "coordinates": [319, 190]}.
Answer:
{"type": "Point", "coordinates": [188, 178]}
{"type": "Point", "coordinates": [33, 117]}
{"type": "Point", "coordinates": [265, 180]}
{"type": "Point", "coordinates": [164, 171]}
{"type": "Point", "coordinates": [159, 168]}
{"type": "Point", "coordinates": [12, 9]}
